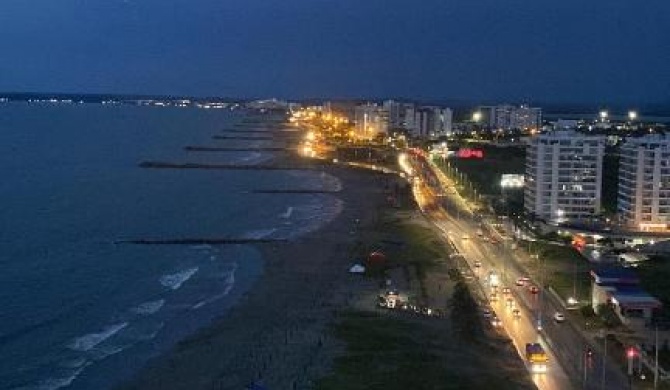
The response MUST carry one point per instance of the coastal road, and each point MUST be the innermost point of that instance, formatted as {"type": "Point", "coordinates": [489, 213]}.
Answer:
{"type": "Point", "coordinates": [569, 365]}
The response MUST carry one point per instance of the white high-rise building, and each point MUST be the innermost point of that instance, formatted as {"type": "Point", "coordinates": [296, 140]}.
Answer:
{"type": "Point", "coordinates": [564, 176]}
{"type": "Point", "coordinates": [508, 117]}
{"type": "Point", "coordinates": [644, 183]}
{"type": "Point", "coordinates": [396, 113]}
{"type": "Point", "coordinates": [371, 120]}
{"type": "Point", "coordinates": [429, 121]}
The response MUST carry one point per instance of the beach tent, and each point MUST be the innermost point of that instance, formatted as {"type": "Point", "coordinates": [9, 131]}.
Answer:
{"type": "Point", "coordinates": [357, 269]}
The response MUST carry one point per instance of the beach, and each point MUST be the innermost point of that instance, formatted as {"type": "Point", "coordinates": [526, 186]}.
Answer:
{"type": "Point", "coordinates": [277, 333]}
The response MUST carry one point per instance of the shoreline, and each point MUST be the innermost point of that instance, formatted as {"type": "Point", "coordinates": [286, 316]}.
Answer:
{"type": "Point", "coordinates": [277, 331]}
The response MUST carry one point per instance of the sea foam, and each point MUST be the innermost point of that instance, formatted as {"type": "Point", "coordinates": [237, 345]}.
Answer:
{"type": "Point", "coordinates": [86, 342]}
{"type": "Point", "coordinates": [259, 234]}
{"type": "Point", "coordinates": [174, 281]}
{"type": "Point", "coordinates": [58, 383]}
{"type": "Point", "coordinates": [150, 307]}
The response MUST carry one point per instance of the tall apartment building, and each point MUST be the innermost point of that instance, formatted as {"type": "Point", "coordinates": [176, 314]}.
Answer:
{"type": "Point", "coordinates": [644, 183]}
{"type": "Point", "coordinates": [371, 120]}
{"type": "Point", "coordinates": [508, 117]}
{"type": "Point", "coordinates": [396, 113]}
{"type": "Point", "coordinates": [429, 121]}
{"type": "Point", "coordinates": [564, 176]}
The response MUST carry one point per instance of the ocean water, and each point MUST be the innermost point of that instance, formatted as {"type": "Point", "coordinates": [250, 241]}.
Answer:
{"type": "Point", "coordinates": [81, 310]}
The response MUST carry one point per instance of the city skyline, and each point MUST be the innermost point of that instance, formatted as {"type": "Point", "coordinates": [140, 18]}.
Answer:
{"type": "Point", "coordinates": [601, 52]}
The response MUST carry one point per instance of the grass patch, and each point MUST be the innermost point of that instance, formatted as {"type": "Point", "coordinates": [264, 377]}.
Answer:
{"type": "Point", "coordinates": [389, 352]}
{"type": "Point", "coordinates": [654, 275]}
{"type": "Point", "coordinates": [465, 313]}
{"type": "Point", "coordinates": [485, 173]}
{"type": "Point", "coordinates": [405, 244]}
{"type": "Point", "coordinates": [564, 268]}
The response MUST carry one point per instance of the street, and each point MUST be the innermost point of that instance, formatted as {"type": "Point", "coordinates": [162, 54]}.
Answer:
{"type": "Point", "coordinates": [566, 346]}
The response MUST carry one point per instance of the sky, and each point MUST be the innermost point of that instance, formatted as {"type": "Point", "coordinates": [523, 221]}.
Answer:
{"type": "Point", "coordinates": [591, 51]}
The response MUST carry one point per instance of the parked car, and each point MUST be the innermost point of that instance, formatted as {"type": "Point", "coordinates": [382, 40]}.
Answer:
{"type": "Point", "coordinates": [534, 289]}
{"type": "Point", "coordinates": [522, 281]}
{"type": "Point", "coordinates": [559, 317]}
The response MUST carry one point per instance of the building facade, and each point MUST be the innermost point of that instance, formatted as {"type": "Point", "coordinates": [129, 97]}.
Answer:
{"type": "Point", "coordinates": [564, 176]}
{"type": "Point", "coordinates": [508, 117]}
{"type": "Point", "coordinates": [425, 122]}
{"type": "Point", "coordinates": [644, 183]}
{"type": "Point", "coordinates": [371, 120]}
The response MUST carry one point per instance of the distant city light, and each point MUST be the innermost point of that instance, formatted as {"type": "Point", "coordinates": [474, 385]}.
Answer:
{"type": "Point", "coordinates": [511, 181]}
{"type": "Point", "coordinates": [632, 115]}
{"type": "Point", "coordinates": [477, 116]}
{"type": "Point", "coordinates": [603, 115]}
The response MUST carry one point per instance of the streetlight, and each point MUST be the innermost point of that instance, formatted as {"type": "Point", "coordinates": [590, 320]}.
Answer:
{"type": "Point", "coordinates": [632, 115]}
{"type": "Point", "coordinates": [603, 115]}
{"type": "Point", "coordinates": [476, 116]}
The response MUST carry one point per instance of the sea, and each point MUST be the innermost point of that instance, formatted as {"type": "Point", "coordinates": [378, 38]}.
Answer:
{"type": "Point", "coordinates": [82, 309]}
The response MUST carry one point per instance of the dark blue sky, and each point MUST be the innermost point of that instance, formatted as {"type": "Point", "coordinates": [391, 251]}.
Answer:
{"type": "Point", "coordinates": [596, 51]}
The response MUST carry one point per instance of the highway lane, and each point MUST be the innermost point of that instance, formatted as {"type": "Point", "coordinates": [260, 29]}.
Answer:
{"type": "Point", "coordinates": [564, 342]}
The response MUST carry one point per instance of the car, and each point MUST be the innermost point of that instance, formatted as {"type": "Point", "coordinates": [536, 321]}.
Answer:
{"type": "Point", "coordinates": [516, 313]}
{"type": "Point", "coordinates": [478, 264]}
{"type": "Point", "coordinates": [522, 281]}
{"type": "Point", "coordinates": [509, 302]}
{"type": "Point", "coordinates": [486, 313]}
{"type": "Point", "coordinates": [559, 317]}
{"type": "Point", "coordinates": [496, 322]}
{"type": "Point", "coordinates": [533, 289]}
{"type": "Point", "coordinates": [465, 237]}
{"type": "Point", "coordinates": [506, 290]}
{"type": "Point", "coordinates": [493, 297]}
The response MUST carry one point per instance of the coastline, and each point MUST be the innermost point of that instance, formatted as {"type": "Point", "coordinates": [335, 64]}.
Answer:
{"type": "Point", "coordinates": [277, 332]}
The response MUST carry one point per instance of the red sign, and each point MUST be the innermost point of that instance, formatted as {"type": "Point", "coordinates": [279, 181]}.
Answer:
{"type": "Point", "coordinates": [470, 153]}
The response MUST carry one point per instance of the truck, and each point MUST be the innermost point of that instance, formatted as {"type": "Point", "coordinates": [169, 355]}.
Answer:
{"type": "Point", "coordinates": [536, 357]}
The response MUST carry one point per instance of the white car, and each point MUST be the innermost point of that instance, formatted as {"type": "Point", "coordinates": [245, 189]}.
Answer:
{"type": "Point", "coordinates": [559, 317]}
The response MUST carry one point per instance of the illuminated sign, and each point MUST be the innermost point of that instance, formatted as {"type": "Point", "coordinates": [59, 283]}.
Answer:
{"type": "Point", "coordinates": [470, 153]}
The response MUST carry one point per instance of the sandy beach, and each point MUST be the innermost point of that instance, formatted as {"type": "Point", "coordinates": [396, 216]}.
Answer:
{"type": "Point", "coordinates": [278, 333]}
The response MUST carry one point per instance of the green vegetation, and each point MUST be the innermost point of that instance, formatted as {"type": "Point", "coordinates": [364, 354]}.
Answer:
{"type": "Point", "coordinates": [482, 176]}
{"type": "Point", "coordinates": [389, 352]}
{"type": "Point", "coordinates": [465, 313]}
{"type": "Point", "coordinates": [485, 173]}
{"type": "Point", "coordinates": [405, 245]}
{"type": "Point", "coordinates": [562, 267]}
{"type": "Point", "coordinates": [654, 275]}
